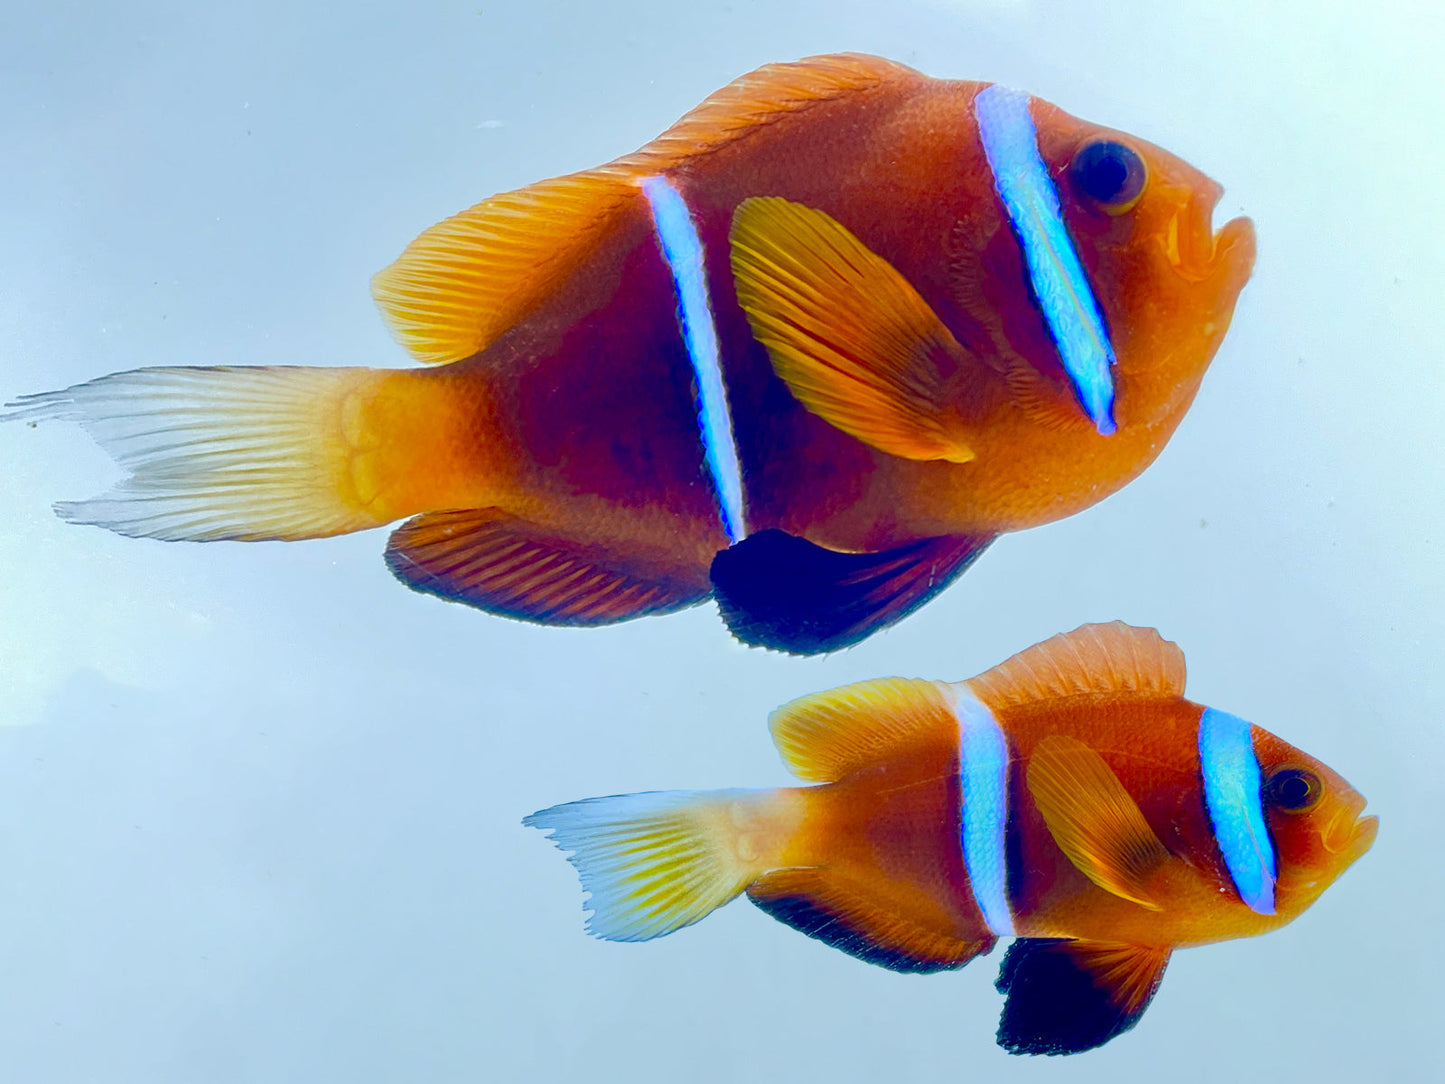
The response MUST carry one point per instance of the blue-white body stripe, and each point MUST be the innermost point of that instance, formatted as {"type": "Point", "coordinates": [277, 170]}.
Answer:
{"type": "Point", "coordinates": [983, 764]}
{"type": "Point", "coordinates": [682, 248]}
{"type": "Point", "coordinates": [1236, 808]}
{"type": "Point", "coordinates": [1010, 142]}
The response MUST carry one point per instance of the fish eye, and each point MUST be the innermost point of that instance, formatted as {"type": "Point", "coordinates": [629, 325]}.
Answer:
{"type": "Point", "coordinates": [1108, 173]}
{"type": "Point", "coordinates": [1293, 790]}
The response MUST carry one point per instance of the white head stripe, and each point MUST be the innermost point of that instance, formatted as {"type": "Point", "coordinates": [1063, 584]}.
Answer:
{"type": "Point", "coordinates": [983, 761]}
{"type": "Point", "coordinates": [1010, 143]}
{"type": "Point", "coordinates": [682, 249]}
{"type": "Point", "coordinates": [1236, 812]}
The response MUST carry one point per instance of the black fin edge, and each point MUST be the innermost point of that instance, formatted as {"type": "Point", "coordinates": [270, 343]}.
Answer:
{"type": "Point", "coordinates": [779, 591]}
{"type": "Point", "coordinates": [1053, 1006]}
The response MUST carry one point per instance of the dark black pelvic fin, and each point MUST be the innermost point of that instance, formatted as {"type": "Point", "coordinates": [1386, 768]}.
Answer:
{"type": "Point", "coordinates": [1065, 996]}
{"type": "Point", "coordinates": [780, 591]}
{"type": "Point", "coordinates": [832, 909]}
{"type": "Point", "coordinates": [507, 566]}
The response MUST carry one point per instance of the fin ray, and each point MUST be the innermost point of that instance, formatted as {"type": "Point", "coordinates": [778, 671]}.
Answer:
{"type": "Point", "coordinates": [1094, 820]}
{"type": "Point", "coordinates": [831, 908]}
{"type": "Point", "coordinates": [1065, 997]}
{"type": "Point", "coordinates": [853, 341]}
{"type": "Point", "coordinates": [826, 736]}
{"type": "Point", "coordinates": [1099, 659]}
{"type": "Point", "coordinates": [783, 592]}
{"type": "Point", "coordinates": [653, 862]}
{"type": "Point", "coordinates": [220, 452]}
{"type": "Point", "coordinates": [761, 97]}
{"type": "Point", "coordinates": [502, 564]}
{"type": "Point", "coordinates": [467, 279]}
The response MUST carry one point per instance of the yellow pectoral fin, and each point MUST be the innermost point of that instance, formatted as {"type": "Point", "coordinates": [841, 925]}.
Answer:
{"type": "Point", "coordinates": [1093, 819]}
{"type": "Point", "coordinates": [853, 341]}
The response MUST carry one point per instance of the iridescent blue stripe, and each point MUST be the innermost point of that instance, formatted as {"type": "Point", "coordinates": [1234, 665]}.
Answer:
{"type": "Point", "coordinates": [682, 248]}
{"type": "Point", "coordinates": [1236, 811]}
{"type": "Point", "coordinates": [1010, 143]}
{"type": "Point", "coordinates": [983, 757]}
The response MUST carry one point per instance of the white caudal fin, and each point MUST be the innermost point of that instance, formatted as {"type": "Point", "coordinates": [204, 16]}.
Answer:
{"type": "Point", "coordinates": [221, 453]}
{"type": "Point", "coordinates": [658, 861]}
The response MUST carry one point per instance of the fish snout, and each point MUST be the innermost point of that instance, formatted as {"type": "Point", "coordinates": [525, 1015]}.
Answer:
{"type": "Point", "coordinates": [1349, 831]}
{"type": "Point", "coordinates": [1195, 250]}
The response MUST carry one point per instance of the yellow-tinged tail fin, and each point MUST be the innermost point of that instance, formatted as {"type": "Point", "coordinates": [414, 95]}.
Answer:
{"type": "Point", "coordinates": [655, 862]}
{"type": "Point", "coordinates": [257, 453]}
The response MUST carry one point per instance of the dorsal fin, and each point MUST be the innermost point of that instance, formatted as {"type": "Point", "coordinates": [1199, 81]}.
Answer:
{"type": "Point", "coordinates": [760, 97]}
{"type": "Point", "coordinates": [826, 736]}
{"type": "Point", "coordinates": [467, 279]}
{"type": "Point", "coordinates": [470, 277]}
{"type": "Point", "coordinates": [1091, 660]}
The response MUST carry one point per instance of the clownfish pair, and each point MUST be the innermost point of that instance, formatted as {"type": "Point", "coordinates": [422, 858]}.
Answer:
{"type": "Point", "coordinates": [808, 352]}
{"type": "Point", "coordinates": [1070, 798]}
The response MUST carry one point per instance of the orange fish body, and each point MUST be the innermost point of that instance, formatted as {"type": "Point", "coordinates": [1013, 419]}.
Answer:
{"type": "Point", "coordinates": [891, 391]}
{"type": "Point", "coordinates": [1070, 797]}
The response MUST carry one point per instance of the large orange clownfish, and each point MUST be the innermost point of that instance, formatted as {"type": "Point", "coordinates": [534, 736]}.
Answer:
{"type": "Point", "coordinates": [1070, 798]}
{"type": "Point", "coordinates": [809, 352]}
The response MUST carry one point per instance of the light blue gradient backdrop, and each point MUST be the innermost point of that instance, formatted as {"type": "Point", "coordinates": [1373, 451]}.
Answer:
{"type": "Point", "coordinates": [259, 808]}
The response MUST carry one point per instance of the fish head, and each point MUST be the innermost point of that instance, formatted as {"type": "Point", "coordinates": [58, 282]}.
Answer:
{"type": "Point", "coordinates": [1165, 279]}
{"type": "Point", "coordinates": [1316, 822]}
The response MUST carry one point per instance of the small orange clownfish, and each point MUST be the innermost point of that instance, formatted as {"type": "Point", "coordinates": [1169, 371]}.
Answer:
{"type": "Point", "coordinates": [808, 352]}
{"type": "Point", "coordinates": [1070, 798]}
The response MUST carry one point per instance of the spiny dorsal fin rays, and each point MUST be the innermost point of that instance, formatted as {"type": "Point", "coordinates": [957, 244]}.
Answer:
{"type": "Point", "coordinates": [761, 97]}
{"type": "Point", "coordinates": [1094, 820]}
{"type": "Point", "coordinates": [1105, 659]}
{"type": "Point", "coordinates": [853, 341]}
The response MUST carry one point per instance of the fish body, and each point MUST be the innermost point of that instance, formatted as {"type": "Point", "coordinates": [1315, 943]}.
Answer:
{"type": "Point", "coordinates": [810, 351]}
{"type": "Point", "coordinates": [1071, 798]}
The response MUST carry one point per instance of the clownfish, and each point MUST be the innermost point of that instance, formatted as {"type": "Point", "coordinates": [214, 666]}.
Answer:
{"type": "Point", "coordinates": [808, 352]}
{"type": "Point", "coordinates": [1070, 798]}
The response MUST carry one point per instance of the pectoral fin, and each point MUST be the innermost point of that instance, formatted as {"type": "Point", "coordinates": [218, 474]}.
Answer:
{"type": "Point", "coordinates": [851, 338]}
{"type": "Point", "coordinates": [505, 565]}
{"type": "Point", "coordinates": [1093, 819]}
{"type": "Point", "coordinates": [1065, 997]}
{"type": "Point", "coordinates": [780, 591]}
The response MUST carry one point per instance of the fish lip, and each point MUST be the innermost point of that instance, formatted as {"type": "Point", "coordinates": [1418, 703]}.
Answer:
{"type": "Point", "coordinates": [1194, 249]}
{"type": "Point", "coordinates": [1350, 831]}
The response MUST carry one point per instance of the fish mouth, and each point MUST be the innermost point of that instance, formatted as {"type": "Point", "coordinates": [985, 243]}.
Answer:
{"type": "Point", "coordinates": [1349, 833]}
{"type": "Point", "coordinates": [1195, 250]}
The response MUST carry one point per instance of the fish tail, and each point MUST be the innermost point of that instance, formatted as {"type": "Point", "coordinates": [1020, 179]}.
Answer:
{"type": "Point", "coordinates": [256, 453]}
{"type": "Point", "coordinates": [658, 861]}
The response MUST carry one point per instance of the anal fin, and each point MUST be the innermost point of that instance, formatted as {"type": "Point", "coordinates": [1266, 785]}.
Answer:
{"type": "Point", "coordinates": [507, 566]}
{"type": "Point", "coordinates": [833, 909]}
{"type": "Point", "coordinates": [783, 592]}
{"type": "Point", "coordinates": [1065, 997]}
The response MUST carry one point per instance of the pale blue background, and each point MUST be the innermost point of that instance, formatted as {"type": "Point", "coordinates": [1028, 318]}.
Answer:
{"type": "Point", "coordinates": [259, 808]}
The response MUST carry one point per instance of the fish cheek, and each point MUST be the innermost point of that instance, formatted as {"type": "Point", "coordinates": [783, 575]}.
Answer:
{"type": "Point", "coordinates": [1302, 865]}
